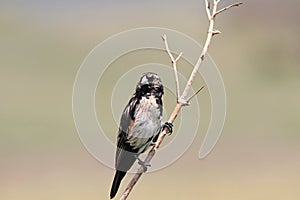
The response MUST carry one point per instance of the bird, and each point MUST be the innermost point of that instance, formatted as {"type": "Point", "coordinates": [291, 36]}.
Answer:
{"type": "Point", "coordinates": [140, 125]}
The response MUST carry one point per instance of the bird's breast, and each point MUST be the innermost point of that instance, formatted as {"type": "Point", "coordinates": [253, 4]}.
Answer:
{"type": "Point", "coordinates": [147, 123]}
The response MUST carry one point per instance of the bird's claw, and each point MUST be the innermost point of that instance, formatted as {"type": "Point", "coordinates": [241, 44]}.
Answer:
{"type": "Point", "coordinates": [169, 126]}
{"type": "Point", "coordinates": [143, 164]}
{"type": "Point", "coordinates": [152, 143]}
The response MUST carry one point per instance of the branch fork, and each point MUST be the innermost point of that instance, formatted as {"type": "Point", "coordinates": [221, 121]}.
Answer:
{"type": "Point", "coordinates": [182, 100]}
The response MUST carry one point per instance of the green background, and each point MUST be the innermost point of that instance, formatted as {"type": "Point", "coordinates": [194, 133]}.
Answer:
{"type": "Point", "coordinates": [43, 43]}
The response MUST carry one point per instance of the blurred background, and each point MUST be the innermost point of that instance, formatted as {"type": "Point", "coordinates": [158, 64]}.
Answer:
{"type": "Point", "coordinates": [42, 45]}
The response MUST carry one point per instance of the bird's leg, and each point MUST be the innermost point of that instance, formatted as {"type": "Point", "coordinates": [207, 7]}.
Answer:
{"type": "Point", "coordinates": [153, 141]}
{"type": "Point", "coordinates": [142, 163]}
{"type": "Point", "coordinates": [169, 126]}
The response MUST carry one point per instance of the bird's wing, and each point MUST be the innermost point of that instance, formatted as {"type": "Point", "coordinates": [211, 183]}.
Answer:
{"type": "Point", "coordinates": [127, 118]}
{"type": "Point", "coordinates": [124, 151]}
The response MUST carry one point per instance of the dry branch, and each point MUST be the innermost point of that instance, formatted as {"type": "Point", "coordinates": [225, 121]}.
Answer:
{"type": "Point", "coordinates": [151, 153]}
{"type": "Point", "coordinates": [207, 7]}
{"type": "Point", "coordinates": [181, 100]}
{"type": "Point", "coordinates": [174, 63]}
{"type": "Point", "coordinates": [189, 99]}
{"type": "Point", "coordinates": [226, 8]}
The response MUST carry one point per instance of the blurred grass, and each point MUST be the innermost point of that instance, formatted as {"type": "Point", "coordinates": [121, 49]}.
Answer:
{"type": "Point", "coordinates": [42, 46]}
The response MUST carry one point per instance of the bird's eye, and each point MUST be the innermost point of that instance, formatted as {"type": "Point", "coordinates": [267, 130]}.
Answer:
{"type": "Point", "coordinates": [145, 88]}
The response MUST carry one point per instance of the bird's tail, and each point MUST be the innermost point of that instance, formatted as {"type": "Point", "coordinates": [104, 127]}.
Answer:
{"type": "Point", "coordinates": [116, 183]}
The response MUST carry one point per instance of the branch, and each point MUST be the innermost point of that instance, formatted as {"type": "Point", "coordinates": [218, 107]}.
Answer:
{"type": "Point", "coordinates": [174, 63]}
{"type": "Point", "coordinates": [151, 153]}
{"type": "Point", "coordinates": [182, 100]}
{"type": "Point", "coordinates": [189, 99]}
{"type": "Point", "coordinates": [210, 33]}
{"type": "Point", "coordinates": [207, 8]}
{"type": "Point", "coordinates": [226, 8]}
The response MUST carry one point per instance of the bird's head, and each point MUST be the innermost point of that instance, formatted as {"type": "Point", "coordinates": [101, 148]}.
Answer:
{"type": "Point", "coordinates": [149, 84]}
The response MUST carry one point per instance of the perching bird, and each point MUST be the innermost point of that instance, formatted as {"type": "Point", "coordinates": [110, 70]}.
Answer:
{"type": "Point", "coordinates": [140, 125]}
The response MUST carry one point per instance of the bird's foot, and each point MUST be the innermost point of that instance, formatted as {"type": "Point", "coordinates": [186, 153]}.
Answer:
{"type": "Point", "coordinates": [152, 143]}
{"type": "Point", "coordinates": [169, 126]}
{"type": "Point", "coordinates": [143, 164]}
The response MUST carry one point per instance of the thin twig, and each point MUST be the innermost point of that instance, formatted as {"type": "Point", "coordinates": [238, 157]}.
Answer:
{"type": "Point", "coordinates": [226, 8]}
{"type": "Point", "coordinates": [164, 37]}
{"type": "Point", "coordinates": [189, 99]}
{"type": "Point", "coordinates": [182, 100]}
{"type": "Point", "coordinates": [216, 32]}
{"type": "Point", "coordinates": [174, 63]}
{"type": "Point", "coordinates": [207, 8]}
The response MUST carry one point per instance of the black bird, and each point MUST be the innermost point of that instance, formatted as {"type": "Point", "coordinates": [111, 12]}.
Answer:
{"type": "Point", "coordinates": [140, 125]}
